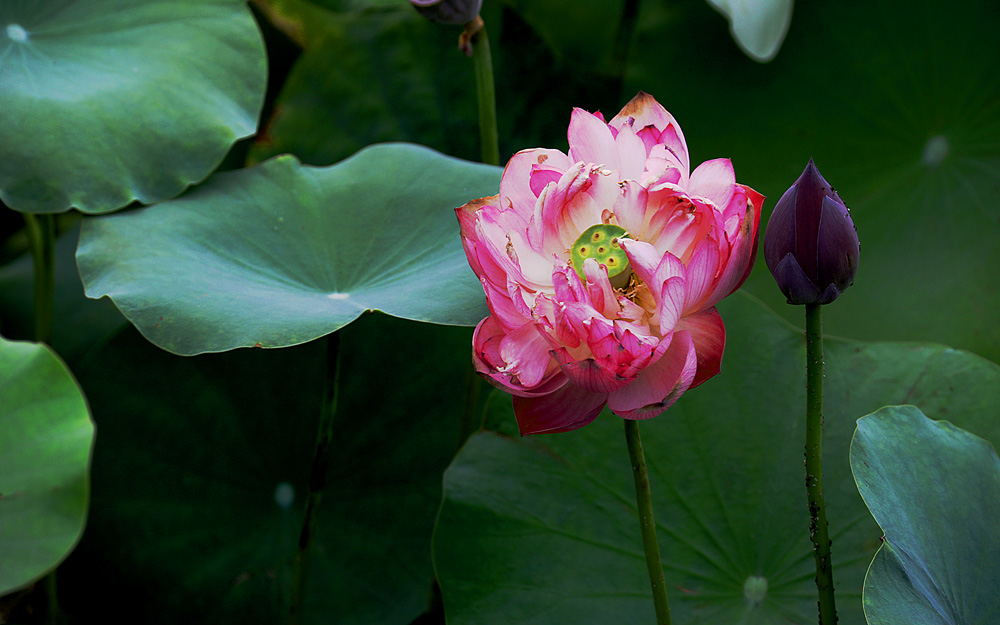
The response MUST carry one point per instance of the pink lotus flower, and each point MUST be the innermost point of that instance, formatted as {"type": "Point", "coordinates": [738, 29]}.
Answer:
{"type": "Point", "coordinates": [602, 268]}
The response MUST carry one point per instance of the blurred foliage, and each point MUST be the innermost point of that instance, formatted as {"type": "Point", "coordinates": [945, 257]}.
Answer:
{"type": "Point", "coordinates": [200, 477]}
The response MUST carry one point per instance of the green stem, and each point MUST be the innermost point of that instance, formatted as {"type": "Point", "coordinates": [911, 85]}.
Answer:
{"type": "Point", "coordinates": [52, 598]}
{"type": "Point", "coordinates": [646, 523]}
{"type": "Point", "coordinates": [623, 39]}
{"type": "Point", "coordinates": [42, 238]}
{"type": "Point", "coordinates": [818, 530]}
{"type": "Point", "coordinates": [486, 94]}
{"type": "Point", "coordinates": [472, 416]}
{"type": "Point", "coordinates": [317, 476]}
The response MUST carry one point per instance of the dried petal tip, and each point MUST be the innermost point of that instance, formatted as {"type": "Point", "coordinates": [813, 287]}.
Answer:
{"type": "Point", "coordinates": [448, 11]}
{"type": "Point", "coordinates": [811, 245]}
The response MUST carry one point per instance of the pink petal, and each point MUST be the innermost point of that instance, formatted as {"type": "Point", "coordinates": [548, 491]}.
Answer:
{"type": "Point", "coordinates": [630, 208]}
{"type": "Point", "coordinates": [562, 410]}
{"type": "Point", "coordinates": [602, 295]}
{"type": "Point", "coordinates": [644, 111]}
{"type": "Point", "coordinates": [490, 270]}
{"type": "Point", "coordinates": [504, 310]}
{"type": "Point", "coordinates": [590, 140]}
{"type": "Point", "coordinates": [621, 353]}
{"type": "Point", "coordinates": [588, 373]}
{"type": "Point", "coordinates": [568, 333]}
{"type": "Point", "coordinates": [671, 304]}
{"type": "Point", "coordinates": [643, 258]}
{"type": "Point", "coordinates": [486, 357]}
{"type": "Point", "coordinates": [659, 171]}
{"type": "Point", "coordinates": [709, 336]}
{"type": "Point", "coordinates": [640, 349]}
{"type": "Point", "coordinates": [660, 384]}
{"type": "Point", "coordinates": [567, 286]}
{"type": "Point", "coordinates": [542, 176]}
{"type": "Point", "coordinates": [510, 250]}
{"type": "Point", "coordinates": [576, 317]}
{"type": "Point", "coordinates": [631, 154]}
{"type": "Point", "coordinates": [678, 222]}
{"type": "Point", "coordinates": [633, 314]}
{"type": "Point", "coordinates": [523, 299]}
{"type": "Point", "coordinates": [655, 126]}
{"type": "Point", "coordinates": [651, 266]}
{"type": "Point", "coordinates": [673, 140]}
{"type": "Point", "coordinates": [743, 248]}
{"type": "Point", "coordinates": [526, 354]}
{"type": "Point", "coordinates": [714, 180]}
{"type": "Point", "coordinates": [515, 187]}
{"type": "Point", "coordinates": [467, 226]}
{"type": "Point", "coordinates": [700, 275]}
{"type": "Point", "coordinates": [569, 207]}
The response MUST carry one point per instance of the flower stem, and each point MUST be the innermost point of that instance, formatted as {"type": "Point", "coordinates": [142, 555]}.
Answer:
{"type": "Point", "coordinates": [623, 39]}
{"type": "Point", "coordinates": [486, 94]}
{"type": "Point", "coordinates": [317, 476]}
{"type": "Point", "coordinates": [818, 529]}
{"type": "Point", "coordinates": [646, 523]}
{"type": "Point", "coordinates": [42, 238]}
{"type": "Point", "coordinates": [472, 414]}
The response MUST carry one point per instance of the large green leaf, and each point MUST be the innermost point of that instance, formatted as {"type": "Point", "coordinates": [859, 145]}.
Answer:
{"type": "Point", "coordinates": [544, 529]}
{"type": "Point", "coordinates": [903, 121]}
{"type": "Point", "coordinates": [935, 491]}
{"type": "Point", "coordinates": [200, 475]}
{"type": "Point", "coordinates": [281, 253]}
{"type": "Point", "coordinates": [45, 440]}
{"type": "Point", "coordinates": [110, 101]}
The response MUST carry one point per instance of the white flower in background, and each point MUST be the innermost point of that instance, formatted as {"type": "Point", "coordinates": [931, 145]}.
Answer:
{"type": "Point", "coordinates": [758, 26]}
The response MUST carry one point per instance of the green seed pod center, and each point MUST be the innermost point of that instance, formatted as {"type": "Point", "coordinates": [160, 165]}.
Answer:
{"type": "Point", "coordinates": [600, 242]}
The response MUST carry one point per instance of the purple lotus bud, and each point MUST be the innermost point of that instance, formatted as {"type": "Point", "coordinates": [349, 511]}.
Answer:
{"type": "Point", "coordinates": [448, 11]}
{"type": "Point", "coordinates": [811, 245]}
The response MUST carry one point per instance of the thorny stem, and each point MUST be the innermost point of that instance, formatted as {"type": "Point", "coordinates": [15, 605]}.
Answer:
{"type": "Point", "coordinates": [317, 476]}
{"type": "Point", "coordinates": [819, 532]}
{"type": "Point", "coordinates": [647, 525]}
{"type": "Point", "coordinates": [42, 238]}
{"type": "Point", "coordinates": [485, 91]}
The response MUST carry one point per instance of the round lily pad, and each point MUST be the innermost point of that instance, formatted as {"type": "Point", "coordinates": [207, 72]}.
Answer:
{"type": "Point", "coordinates": [544, 529]}
{"type": "Point", "coordinates": [935, 491]}
{"type": "Point", "coordinates": [110, 101]}
{"type": "Point", "coordinates": [45, 440]}
{"type": "Point", "coordinates": [281, 253]}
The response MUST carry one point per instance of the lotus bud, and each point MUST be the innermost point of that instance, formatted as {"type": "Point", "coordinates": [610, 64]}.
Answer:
{"type": "Point", "coordinates": [811, 245]}
{"type": "Point", "coordinates": [448, 11]}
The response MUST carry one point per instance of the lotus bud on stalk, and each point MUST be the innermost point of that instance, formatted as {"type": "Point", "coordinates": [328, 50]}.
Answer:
{"type": "Point", "coordinates": [810, 244]}
{"type": "Point", "coordinates": [811, 247]}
